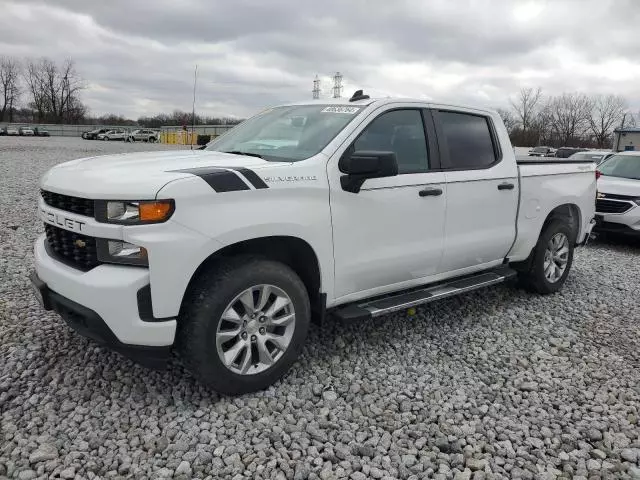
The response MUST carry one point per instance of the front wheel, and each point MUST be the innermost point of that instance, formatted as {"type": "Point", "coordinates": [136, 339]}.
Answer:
{"type": "Point", "coordinates": [106, 139]}
{"type": "Point", "coordinates": [152, 140]}
{"type": "Point", "coordinates": [551, 260]}
{"type": "Point", "coordinates": [244, 324]}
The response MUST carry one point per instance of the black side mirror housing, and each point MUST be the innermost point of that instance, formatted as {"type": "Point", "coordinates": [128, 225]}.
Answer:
{"type": "Point", "coordinates": [364, 164]}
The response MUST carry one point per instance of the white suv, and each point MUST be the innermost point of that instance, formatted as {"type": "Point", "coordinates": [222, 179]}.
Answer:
{"type": "Point", "coordinates": [617, 205]}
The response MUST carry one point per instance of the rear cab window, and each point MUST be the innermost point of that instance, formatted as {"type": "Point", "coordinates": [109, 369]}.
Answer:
{"type": "Point", "coordinates": [467, 141]}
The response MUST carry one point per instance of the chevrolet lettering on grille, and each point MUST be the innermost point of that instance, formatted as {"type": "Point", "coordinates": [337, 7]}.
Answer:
{"type": "Point", "coordinates": [60, 221]}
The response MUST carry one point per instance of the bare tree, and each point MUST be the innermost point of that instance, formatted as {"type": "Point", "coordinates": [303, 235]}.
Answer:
{"type": "Point", "coordinates": [10, 90]}
{"type": "Point", "coordinates": [509, 120]}
{"type": "Point", "coordinates": [54, 89]}
{"type": "Point", "coordinates": [526, 106]}
{"type": "Point", "coordinates": [569, 115]}
{"type": "Point", "coordinates": [607, 113]}
{"type": "Point", "coordinates": [35, 80]}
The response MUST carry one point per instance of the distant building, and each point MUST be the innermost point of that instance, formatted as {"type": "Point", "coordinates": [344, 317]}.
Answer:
{"type": "Point", "coordinates": [627, 138]}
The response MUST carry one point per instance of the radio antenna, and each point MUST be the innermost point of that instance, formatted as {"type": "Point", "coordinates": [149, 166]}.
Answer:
{"type": "Point", "coordinates": [193, 109]}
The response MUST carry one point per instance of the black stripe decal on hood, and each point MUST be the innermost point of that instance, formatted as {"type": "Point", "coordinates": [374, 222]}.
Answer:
{"type": "Point", "coordinates": [219, 179]}
{"type": "Point", "coordinates": [251, 176]}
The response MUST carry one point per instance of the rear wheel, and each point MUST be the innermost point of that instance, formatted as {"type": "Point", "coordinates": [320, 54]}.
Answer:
{"type": "Point", "coordinates": [551, 259]}
{"type": "Point", "coordinates": [106, 139]}
{"type": "Point", "coordinates": [244, 324]}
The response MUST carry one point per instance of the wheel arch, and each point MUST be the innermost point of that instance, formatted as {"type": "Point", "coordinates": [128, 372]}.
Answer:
{"type": "Point", "coordinates": [568, 211]}
{"type": "Point", "coordinates": [293, 251]}
{"type": "Point", "coordinates": [565, 211]}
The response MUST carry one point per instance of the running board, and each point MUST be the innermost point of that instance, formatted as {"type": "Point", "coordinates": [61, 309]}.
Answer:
{"type": "Point", "coordinates": [400, 301]}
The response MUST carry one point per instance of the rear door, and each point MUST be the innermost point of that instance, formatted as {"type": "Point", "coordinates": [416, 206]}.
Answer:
{"type": "Point", "coordinates": [482, 189]}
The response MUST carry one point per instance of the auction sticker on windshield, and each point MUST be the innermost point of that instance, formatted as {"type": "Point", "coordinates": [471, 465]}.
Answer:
{"type": "Point", "coordinates": [338, 109]}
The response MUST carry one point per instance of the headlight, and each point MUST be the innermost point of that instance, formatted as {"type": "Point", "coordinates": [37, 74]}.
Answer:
{"type": "Point", "coordinates": [134, 212]}
{"type": "Point", "coordinates": [117, 251]}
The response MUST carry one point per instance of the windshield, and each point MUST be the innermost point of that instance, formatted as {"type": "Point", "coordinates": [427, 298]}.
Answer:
{"type": "Point", "coordinates": [623, 166]}
{"type": "Point", "coordinates": [286, 134]}
{"type": "Point", "coordinates": [540, 150]}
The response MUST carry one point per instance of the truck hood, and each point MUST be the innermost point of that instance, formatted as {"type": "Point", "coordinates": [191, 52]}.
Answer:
{"type": "Point", "coordinates": [137, 175]}
{"type": "Point", "coordinates": [619, 186]}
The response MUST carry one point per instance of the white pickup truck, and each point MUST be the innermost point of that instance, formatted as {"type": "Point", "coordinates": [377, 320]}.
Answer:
{"type": "Point", "coordinates": [356, 207]}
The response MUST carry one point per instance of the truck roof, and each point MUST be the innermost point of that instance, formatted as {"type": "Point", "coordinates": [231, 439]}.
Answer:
{"type": "Point", "coordinates": [387, 100]}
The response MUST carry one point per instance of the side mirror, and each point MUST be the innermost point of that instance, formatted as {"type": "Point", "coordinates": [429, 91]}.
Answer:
{"type": "Point", "coordinates": [361, 165]}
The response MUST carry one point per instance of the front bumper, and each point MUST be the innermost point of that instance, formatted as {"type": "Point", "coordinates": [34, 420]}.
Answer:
{"type": "Point", "coordinates": [89, 324]}
{"type": "Point", "coordinates": [627, 223]}
{"type": "Point", "coordinates": [115, 294]}
{"type": "Point", "coordinates": [603, 226]}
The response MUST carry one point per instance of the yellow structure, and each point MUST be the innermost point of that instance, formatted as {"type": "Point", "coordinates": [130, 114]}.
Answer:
{"type": "Point", "coordinates": [179, 138]}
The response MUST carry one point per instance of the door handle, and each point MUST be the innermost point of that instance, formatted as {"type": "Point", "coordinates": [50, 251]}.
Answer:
{"type": "Point", "coordinates": [506, 186]}
{"type": "Point", "coordinates": [430, 192]}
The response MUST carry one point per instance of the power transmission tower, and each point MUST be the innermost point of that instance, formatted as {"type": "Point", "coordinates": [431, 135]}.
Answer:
{"type": "Point", "coordinates": [337, 85]}
{"type": "Point", "coordinates": [316, 88]}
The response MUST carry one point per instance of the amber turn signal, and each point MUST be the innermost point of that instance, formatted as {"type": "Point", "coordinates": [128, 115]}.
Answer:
{"type": "Point", "coordinates": [157, 211]}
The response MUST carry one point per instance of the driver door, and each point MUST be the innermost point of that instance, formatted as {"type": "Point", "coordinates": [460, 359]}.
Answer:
{"type": "Point", "coordinates": [389, 235]}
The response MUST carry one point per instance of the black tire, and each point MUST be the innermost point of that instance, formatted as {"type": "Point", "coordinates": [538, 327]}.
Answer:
{"type": "Point", "coordinates": [534, 278]}
{"type": "Point", "coordinates": [202, 312]}
{"type": "Point", "coordinates": [152, 140]}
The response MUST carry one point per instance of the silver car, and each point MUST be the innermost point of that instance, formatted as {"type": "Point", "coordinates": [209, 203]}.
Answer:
{"type": "Point", "coordinates": [143, 135]}
{"type": "Point", "coordinates": [114, 134]}
{"type": "Point", "coordinates": [596, 156]}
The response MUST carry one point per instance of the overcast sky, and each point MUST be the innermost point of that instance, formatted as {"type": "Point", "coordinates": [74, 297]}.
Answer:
{"type": "Point", "coordinates": [137, 57]}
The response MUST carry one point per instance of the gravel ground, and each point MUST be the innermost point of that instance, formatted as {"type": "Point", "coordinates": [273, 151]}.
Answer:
{"type": "Point", "coordinates": [496, 384]}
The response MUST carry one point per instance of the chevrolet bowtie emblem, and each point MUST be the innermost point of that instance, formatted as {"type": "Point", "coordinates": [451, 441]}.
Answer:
{"type": "Point", "coordinates": [601, 195]}
{"type": "Point", "coordinates": [80, 243]}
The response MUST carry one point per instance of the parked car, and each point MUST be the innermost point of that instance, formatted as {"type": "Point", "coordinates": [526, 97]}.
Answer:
{"type": "Point", "coordinates": [541, 152]}
{"type": "Point", "coordinates": [25, 131]}
{"type": "Point", "coordinates": [597, 156]}
{"type": "Point", "coordinates": [41, 132]}
{"type": "Point", "coordinates": [114, 134]}
{"type": "Point", "coordinates": [93, 134]}
{"type": "Point", "coordinates": [566, 152]}
{"type": "Point", "coordinates": [11, 131]}
{"type": "Point", "coordinates": [143, 135]}
{"type": "Point", "coordinates": [378, 219]}
{"type": "Point", "coordinates": [618, 199]}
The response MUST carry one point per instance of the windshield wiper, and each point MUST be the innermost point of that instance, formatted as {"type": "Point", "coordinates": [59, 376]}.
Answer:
{"type": "Point", "coordinates": [248, 154]}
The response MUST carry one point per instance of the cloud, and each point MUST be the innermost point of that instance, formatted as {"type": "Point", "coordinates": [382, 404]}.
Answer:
{"type": "Point", "coordinates": [138, 57]}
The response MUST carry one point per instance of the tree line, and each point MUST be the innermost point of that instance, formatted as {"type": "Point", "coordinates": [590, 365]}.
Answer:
{"type": "Point", "coordinates": [44, 91]}
{"type": "Point", "coordinates": [570, 119]}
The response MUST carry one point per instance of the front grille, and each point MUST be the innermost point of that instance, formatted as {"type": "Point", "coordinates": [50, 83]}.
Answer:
{"type": "Point", "coordinates": [612, 206]}
{"type": "Point", "coordinates": [81, 206]}
{"type": "Point", "coordinates": [74, 249]}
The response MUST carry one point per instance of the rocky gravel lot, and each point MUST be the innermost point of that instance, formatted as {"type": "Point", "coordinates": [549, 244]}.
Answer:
{"type": "Point", "coordinates": [496, 384]}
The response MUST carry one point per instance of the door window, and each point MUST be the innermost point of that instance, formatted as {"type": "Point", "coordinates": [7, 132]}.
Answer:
{"type": "Point", "coordinates": [401, 132]}
{"type": "Point", "coordinates": [468, 140]}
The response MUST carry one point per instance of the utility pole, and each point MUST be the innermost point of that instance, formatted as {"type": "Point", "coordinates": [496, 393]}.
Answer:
{"type": "Point", "coordinates": [193, 107]}
{"type": "Point", "coordinates": [316, 88]}
{"type": "Point", "coordinates": [337, 85]}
